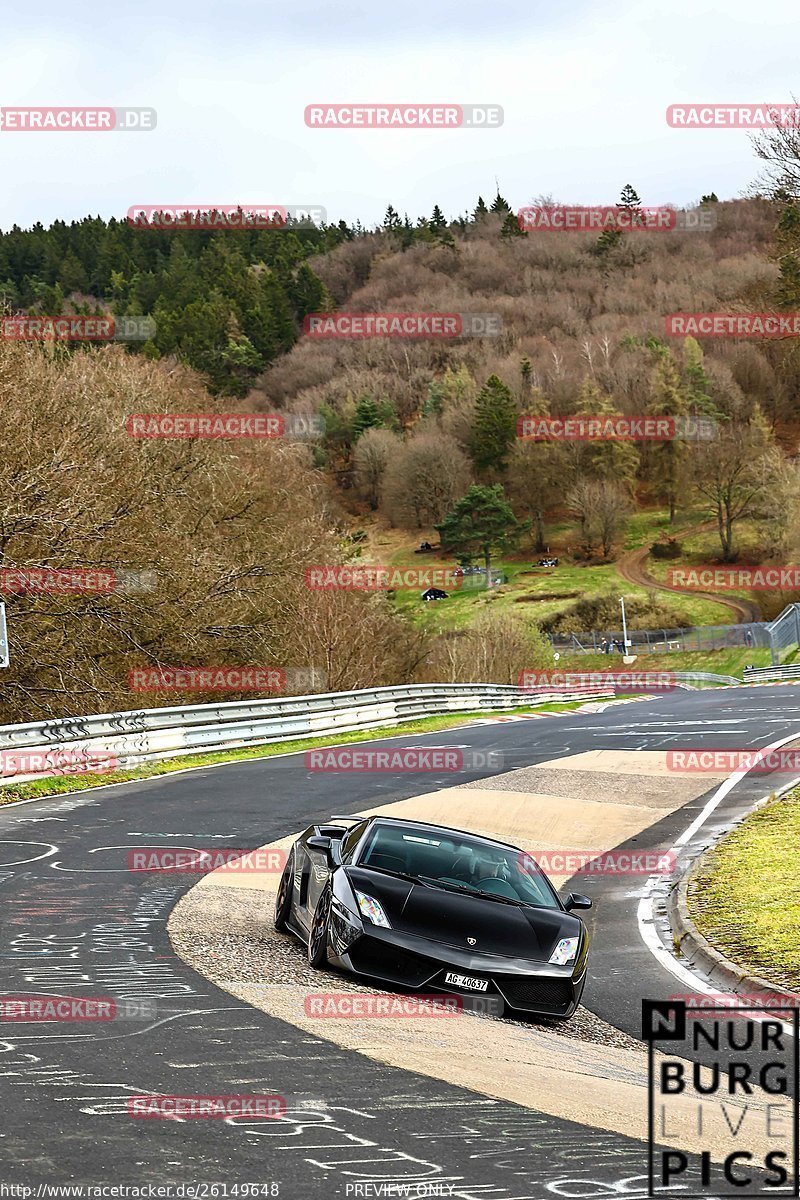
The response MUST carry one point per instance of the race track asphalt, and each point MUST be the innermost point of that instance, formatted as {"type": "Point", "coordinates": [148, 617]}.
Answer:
{"type": "Point", "coordinates": [74, 920]}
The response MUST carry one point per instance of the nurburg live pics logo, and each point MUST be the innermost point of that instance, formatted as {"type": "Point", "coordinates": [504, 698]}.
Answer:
{"type": "Point", "coordinates": [728, 1082]}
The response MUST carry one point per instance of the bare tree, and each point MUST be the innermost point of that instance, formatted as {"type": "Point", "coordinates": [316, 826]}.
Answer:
{"type": "Point", "coordinates": [602, 508]}
{"type": "Point", "coordinates": [734, 473]}
{"type": "Point", "coordinates": [536, 478]}
{"type": "Point", "coordinates": [423, 480]}
{"type": "Point", "coordinates": [371, 455]}
{"type": "Point", "coordinates": [221, 531]}
{"type": "Point", "coordinates": [497, 647]}
{"type": "Point", "coordinates": [779, 148]}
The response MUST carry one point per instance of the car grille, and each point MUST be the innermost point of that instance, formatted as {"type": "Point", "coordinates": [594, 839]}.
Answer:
{"type": "Point", "coordinates": [390, 962]}
{"type": "Point", "coordinates": [537, 994]}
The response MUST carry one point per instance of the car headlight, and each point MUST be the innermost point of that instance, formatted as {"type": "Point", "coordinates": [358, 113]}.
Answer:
{"type": "Point", "coordinates": [564, 952]}
{"type": "Point", "coordinates": [370, 909]}
{"type": "Point", "coordinates": [346, 928]}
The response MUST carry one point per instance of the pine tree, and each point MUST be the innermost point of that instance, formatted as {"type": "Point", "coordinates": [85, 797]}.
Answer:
{"type": "Point", "coordinates": [438, 219]}
{"type": "Point", "coordinates": [629, 198]}
{"type": "Point", "coordinates": [495, 425]}
{"type": "Point", "coordinates": [480, 523]}
{"type": "Point", "coordinates": [697, 383]}
{"type": "Point", "coordinates": [668, 399]}
{"type": "Point", "coordinates": [480, 210]}
{"type": "Point", "coordinates": [499, 205]}
{"type": "Point", "coordinates": [611, 460]}
{"type": "Point", "coordinates": [526, 378]}
{"type": "Point", "coordinates": [607, 241]}
{"type": "Point", "coordinates": [511, 227]}
{"type": "Point", "coordinates": [367, 416]}
{"type": "Point", "coordinates": [391, 220]}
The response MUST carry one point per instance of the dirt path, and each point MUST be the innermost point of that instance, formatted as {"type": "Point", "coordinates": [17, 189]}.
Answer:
{"type": "Point", "coordinates": [631, 566]}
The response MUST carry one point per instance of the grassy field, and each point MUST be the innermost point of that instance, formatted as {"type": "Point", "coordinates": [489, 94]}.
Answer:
{"type": "Point", "coordinates": [539, 592]}
{"type": "Point", "coordinates": [745, 898]}
{"type": "Point", "coordinates": [647, 525]}
{"type": "Point", "coordinates": [720, 662]}
{"type": "Point", "coordinates": [703, 549]}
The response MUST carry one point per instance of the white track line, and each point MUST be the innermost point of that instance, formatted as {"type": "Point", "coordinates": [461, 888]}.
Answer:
{"type": "Point", "coordinates": [645, 919]}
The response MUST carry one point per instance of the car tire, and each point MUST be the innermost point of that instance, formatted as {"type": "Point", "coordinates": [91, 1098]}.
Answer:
{"type": "Point", "coordinates": [283, 900]}
{"type": "Point", "coordinates": [318, 934]}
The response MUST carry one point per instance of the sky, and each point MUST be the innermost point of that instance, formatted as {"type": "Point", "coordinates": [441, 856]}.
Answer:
{"type": "Point", "coordinates": [584, 88]}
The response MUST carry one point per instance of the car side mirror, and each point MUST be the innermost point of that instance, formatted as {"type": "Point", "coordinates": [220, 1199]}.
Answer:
{"type": "Point", "coordinates": [575, 900]}
{"type": "Point", "coordinates": [326, 846]}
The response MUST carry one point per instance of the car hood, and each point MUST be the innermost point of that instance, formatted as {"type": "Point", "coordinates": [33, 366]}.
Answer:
{"type": "Point", "coordinates": [454, 918]}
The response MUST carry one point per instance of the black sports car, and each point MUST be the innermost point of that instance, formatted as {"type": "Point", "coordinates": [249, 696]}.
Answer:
{"type": "Point", "coordinates": [421, 906]}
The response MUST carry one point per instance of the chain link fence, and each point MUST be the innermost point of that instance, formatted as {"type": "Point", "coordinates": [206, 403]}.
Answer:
{"type": "Point", "coordinates": [780, 636]}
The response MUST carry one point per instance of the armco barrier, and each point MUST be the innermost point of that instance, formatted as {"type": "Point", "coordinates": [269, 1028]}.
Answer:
{"type": "Point", "coordinates": [771, 674]}
{"type": "Point", "coordinates": [136, 736]}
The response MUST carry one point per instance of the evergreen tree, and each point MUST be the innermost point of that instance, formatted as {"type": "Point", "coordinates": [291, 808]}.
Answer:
{"type": "Point", "coordinates": [495, 425]}
{"type": "Point", "coordinates": [391, 221]}
{"type": "Point", "coordinates": [526, 378]}
{"type": "Point", "coordinates": [511, 227]}
{"type": "Point", "coordinates": [438, 220]}
{"type": "Point", "coordinates": [607, 459]}
{"type": "Point", "coordinates": [499, 205]}
{"type": "Point", "coordinates": [629, 197]}
{"type": "Point", "coordinates": [668, 399]}
{"type": "Point", "coordinates": [479, 524]}
{"type": "Point", "coordinates": [696, 382]}
{"type": "Point", "coordinates": [480, 210]}
{"type": "Point", "coordinates": [607, 241]}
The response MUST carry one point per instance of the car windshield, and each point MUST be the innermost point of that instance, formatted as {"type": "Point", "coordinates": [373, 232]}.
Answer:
{"type": "Point", "coordinates": [462, 862]}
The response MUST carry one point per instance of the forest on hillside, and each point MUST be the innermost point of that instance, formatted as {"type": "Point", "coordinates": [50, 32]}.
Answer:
{"type": "Point", "coordinates": [416, 433]}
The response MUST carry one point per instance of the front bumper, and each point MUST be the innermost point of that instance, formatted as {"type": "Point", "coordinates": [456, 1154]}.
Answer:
{"type": "Point", "coordinates": [523, 985]}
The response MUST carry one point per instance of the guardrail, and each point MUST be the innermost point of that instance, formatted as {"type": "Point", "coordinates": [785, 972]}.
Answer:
{"type": "Point", "coordinates": [768, 674]}
{"type": "Point", "coordinates": [34, 749]}
{"type": "Point", "coordinates": [698, 678]}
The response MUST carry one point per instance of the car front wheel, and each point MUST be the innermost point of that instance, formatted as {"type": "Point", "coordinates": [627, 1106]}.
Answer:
{"type": "Point", "coordinates": [318, 937]}
{"type": "Point", "coordinates": [283, 901]}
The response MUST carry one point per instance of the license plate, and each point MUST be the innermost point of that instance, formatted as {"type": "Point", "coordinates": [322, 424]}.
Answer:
{"type": "Point", "coordinates": [467, 981]}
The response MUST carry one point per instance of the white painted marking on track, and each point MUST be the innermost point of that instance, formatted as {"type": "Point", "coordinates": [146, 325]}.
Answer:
{"type": "Point", "coordinates": [644, 915]}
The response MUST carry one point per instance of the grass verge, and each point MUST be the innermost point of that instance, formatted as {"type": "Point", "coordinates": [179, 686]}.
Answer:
{"type": "Point", "coordinates": [731, 661]}
{"type": "Point", "coordinates": [745, 898]}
